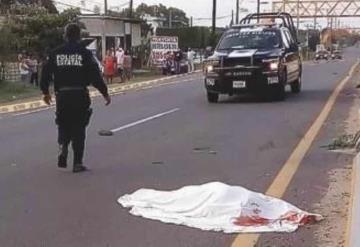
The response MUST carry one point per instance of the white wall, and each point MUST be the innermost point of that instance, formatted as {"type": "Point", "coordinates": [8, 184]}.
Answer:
{"type": "Point", "coordinates": [97, 27]}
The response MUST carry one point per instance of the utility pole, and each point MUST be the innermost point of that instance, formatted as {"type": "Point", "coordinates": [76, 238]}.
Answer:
{"type": "Point", "coordinates": [258, 10]}
{"type": "Point", "coordinates": [298, 15]}
{"type": "Point", "coordinates": [131, 8]}
{"type": "Point", "coordinates": [105, 7]}
{"type": "Point", "coordinates": [232, 18]}
{"type": "Point", "coordinates": [237, 11]}
{"type": "Point", "coordinates": [191, 21]}
{"type": "Point", "coordinates": [331, 32]}
{"type": "Point", "coordinates": [103, 34]}
{"type": "Point", "coordinates": [214, 17]}
{"type": "Point", "coordinates": [315, 21]}
{"type": "Point", "coordinates": [170, 18]}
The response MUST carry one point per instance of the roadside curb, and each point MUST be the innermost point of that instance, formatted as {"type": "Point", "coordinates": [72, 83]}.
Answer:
{"type": "Point", "coordinates": [37, 104]}
{"type": "Point", "coordinates": [354, 238]}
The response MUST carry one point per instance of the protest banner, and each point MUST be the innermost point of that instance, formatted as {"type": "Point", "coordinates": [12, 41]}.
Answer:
{"type": "Point", "coordinates": [160, 45]}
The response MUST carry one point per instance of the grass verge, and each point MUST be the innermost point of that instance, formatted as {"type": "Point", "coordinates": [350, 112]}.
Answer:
{"type": "Point", "coordinates": [15, 91]}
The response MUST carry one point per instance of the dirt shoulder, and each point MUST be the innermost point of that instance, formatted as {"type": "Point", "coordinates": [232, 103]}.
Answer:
{"type": "Point", "coordinates": [335, 204]}
{"type": "Point", "coordinates": [323, 183]}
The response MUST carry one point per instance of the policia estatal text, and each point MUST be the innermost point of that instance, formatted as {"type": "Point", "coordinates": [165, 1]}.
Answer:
{"type": "Point", "coordinates": [72, 68]}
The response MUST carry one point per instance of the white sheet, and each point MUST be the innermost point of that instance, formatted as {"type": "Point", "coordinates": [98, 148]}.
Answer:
{"type": "Point", "coordinates": [218, 207]}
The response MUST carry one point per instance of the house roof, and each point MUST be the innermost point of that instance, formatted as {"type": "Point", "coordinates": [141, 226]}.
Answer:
{"type": "Point", "coordinates": [107, 17]}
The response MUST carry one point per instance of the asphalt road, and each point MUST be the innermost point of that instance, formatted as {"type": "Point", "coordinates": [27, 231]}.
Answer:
{"type": "Point", "coordinates": [250, 140]}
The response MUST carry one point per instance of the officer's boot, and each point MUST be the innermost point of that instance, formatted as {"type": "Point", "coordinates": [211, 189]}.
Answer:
{"type": "Point", "coordinates": [63, 154]}
{"type": "Point", "coordinates": [78, 157]}
{"type": "Point", "coordinates": [78, 145]}
{"type": "Point", "coordinates": [78, 164]}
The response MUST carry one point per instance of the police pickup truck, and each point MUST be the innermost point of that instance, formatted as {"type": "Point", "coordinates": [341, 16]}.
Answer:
{"type": "Point", "coordinates": [261, 57]}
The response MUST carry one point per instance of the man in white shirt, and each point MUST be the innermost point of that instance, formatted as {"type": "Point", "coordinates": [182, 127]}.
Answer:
{"type": "Point", "coordinates": [190, 57]}
{"type": "Point", "coordinates": [120, 54]}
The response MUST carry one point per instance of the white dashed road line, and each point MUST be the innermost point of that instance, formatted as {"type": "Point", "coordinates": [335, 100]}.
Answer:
{"type": "Point", "coordinates": [144, 120]}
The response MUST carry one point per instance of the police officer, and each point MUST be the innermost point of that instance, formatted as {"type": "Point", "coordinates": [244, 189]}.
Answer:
{"type": "Point", "coordinates": [72, 68]}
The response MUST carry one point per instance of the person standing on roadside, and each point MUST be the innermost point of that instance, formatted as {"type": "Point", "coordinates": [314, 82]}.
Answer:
{"type": "Point", "coordinates": [109, 66]}
{"type": "Point", "coordinates": [190, 57]}
{"type": "Point", "coordinates": [127, 66]}
{"type": "Point", "coordinates": [178, 56]}
{"type": "Point", "coordinates": [33, 68]}
{"type": "Point", "coordinates": [24, 70]}
{"type": "Point", "coordinates": [120, 62]}
{"type": "Point", "coordinates": [72, 68]}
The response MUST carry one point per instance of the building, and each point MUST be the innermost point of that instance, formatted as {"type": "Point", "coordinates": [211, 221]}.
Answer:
{"type": "Point", "coordinates": [112, 32]}
{"type": "Point", "coordinates": [154, 21]}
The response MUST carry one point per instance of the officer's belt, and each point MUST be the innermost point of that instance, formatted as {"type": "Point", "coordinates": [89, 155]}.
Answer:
{"type": "Point", "coordinates": [72, 89]}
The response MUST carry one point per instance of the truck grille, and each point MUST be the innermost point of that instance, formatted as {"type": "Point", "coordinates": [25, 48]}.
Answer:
{"type": "Point", "coordinates": [232, 62]}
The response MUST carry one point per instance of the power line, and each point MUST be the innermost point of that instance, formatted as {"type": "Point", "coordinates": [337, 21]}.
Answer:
{"type": "Point", "coordinates": [118, 7]}
{"type": "Point", "coordinates": [92, 1]}
{"type": "Point", "coordinates": [209, 18]}
{"type": "Point", "coordinates": [86, 9]}
{"type": "Point", "coordinates": [72, 6]}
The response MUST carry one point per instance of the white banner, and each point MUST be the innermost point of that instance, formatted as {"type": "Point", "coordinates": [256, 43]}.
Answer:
{"type": "Point", "coordinates": [160, 45]}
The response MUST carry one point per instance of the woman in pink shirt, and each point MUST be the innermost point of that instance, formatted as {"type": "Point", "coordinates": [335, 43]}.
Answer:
{"type": "Point", "coordinates": [109, 67]}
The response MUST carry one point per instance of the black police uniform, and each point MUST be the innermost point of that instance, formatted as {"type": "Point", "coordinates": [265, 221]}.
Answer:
{"type": "Point", "coordinates": [72, 68]}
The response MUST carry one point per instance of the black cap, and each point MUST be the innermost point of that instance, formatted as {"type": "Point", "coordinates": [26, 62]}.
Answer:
{"type": "Point", "coordinates": [72, 32]}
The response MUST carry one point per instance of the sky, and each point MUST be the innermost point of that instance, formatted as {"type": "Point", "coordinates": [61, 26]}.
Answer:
{"type": "Point", "coordinates": [203, 9]}
{"type": "Point", "coordinates": [198, 9]}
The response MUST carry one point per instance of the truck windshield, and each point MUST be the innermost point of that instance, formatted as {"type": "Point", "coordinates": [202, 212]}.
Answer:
{"type": "Point", "coordinates": [242, 39]}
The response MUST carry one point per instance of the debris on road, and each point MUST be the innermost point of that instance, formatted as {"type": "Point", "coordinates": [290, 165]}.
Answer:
{"type": "Point", "coordinates": [201, 149]}
{"type": "Point", "coordinates": [106, 133]}
{"type": "Point", "coordinates": [158, 162]}
{"type": "Point", "coordinates": [204, 150]}
{"type": "Point", "coordinates": [344, 142]}
{"type": "Point", "coordinates": [218, 207]}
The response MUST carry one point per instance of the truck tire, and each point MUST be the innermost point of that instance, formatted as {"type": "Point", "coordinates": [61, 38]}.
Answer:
{"type": "Point", "coordinates": [278, 92]}
{"type": "Point", "coordinates": [212, 97]}
{"type": "Point", "coordinates": [296, 85]}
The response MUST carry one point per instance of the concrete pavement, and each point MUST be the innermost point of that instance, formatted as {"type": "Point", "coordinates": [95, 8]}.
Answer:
{"type": "Point", "coordinates": [251, 140]}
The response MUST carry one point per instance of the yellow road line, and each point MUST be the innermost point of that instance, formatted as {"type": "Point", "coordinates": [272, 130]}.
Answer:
{"type": "Point", "coordinates": [284, 177]}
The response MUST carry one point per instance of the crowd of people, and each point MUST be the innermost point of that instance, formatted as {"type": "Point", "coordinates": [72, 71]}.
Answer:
{"type": "Point", "coordinates": [117, 63]}
{"type": "Point", "coordinates": [172, 63]}
{"type": "Point", "coordinates": [29, 68]}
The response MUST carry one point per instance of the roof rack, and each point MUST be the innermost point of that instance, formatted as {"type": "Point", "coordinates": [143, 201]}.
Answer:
{"type": "Point", "coordinates": [285, 17]}
{"type": "Point", "coordinates": [255, 25]}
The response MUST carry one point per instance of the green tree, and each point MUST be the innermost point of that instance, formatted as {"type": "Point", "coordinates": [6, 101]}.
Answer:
{"type": "Point", "coordinates": [97, 9]}
{"type": "Point", "coordinates": [36, 29]}
{"type": "Point", "coordinates": [178, 16]}
{"type": "Point", "coordinates": [7, 5]}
